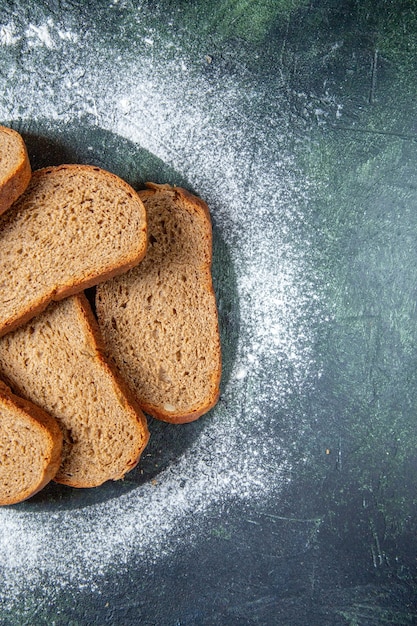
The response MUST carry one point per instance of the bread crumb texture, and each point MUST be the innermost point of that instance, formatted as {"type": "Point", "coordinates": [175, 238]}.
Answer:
{"type": "Point", "coordinates": [30, 448]}
{"type": "Point", "coordinates": [56, 362]}
{"type": "Point", "coordinates": [23, 451]}
{"type": "Point", "coordinates": [15, 169]}
{"type": "Point", "coordinates": [9, 156]}
{"type": "Point", "coordinates": [159, 320]}
{"type": "Point", "coordinates": [73, 226]}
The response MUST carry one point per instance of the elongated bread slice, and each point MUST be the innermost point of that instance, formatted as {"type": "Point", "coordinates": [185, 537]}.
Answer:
{"type": "Point", "coordinates": [30, 448]}
{"type": "Point", "coordinates": [56, 361]}
{"type": "Point", "coordinates": [159, 321]}
{"type": "Point", "coordinates": [15, 170]}
{"type": "Point", "coordinates": [74, 226]}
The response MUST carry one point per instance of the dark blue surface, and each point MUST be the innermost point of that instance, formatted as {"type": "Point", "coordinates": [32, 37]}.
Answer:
{"type": "Point", "coordinates": [336, 545]}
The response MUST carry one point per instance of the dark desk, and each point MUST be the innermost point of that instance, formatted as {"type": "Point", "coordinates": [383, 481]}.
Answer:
{"type": "Point", "coordinates": [294, 501]}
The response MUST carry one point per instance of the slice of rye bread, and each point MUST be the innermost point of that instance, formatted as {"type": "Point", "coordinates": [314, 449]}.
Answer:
{"type": "Point", "coordinates": [57, 361]}
{"type": "Point", "coordinates": [159, 321]}
{"type": "Point", "coordinates": [30, 448]}
{"type": "Point", "coordinates": [15, 170]}
{"type": "Point", "coordinates": [74, 226]}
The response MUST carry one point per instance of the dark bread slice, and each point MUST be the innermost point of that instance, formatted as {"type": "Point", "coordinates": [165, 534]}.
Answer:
{"type": "Point", "coordinates": [159, 320]}
{"type": "Point", "coordinates": [15, 170]}
{"type": "Point", "coordinates": [74, 226]}
{"type": "Point", "coordinates": [30, 448]}
{"type": "Point", "coordinates": [56, 360]}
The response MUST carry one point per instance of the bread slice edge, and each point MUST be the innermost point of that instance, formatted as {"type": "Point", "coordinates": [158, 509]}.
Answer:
{"type": "Point", "coordinates": [38, 418]}
{"type": "Point", "coordinates": [19, 177]}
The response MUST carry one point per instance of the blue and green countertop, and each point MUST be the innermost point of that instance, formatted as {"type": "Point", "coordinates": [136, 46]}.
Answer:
{"type": "Point", "coordinates": [294, 501]}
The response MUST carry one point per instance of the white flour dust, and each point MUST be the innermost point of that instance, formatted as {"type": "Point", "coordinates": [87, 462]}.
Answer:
{"type": "Point", "coordinates": [206, 130]}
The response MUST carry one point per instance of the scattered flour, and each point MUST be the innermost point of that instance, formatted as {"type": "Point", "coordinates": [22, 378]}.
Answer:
{"type": "Point", "coordinates": [8, 36]}
{"type": "Point", "coordinates": [217, 138]}
{"type": "Point", "coordinates": [36, 35]}
{"type": "Point", "coordinates": [40, 35]}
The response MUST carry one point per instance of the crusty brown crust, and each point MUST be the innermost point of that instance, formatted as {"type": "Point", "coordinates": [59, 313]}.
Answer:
{"type": "Point", "coordinates": [93, 330]}
{"type": "Point", "coordinates": [42, 420]}
{"type": "Point", "coordinates": [18, 179]}
{"type": "Point", "coordinates": [193, 200]}
{"type": "Point", "coordinates": [182, 418]}
{"type": "Point", "coordinates": [76, 286]}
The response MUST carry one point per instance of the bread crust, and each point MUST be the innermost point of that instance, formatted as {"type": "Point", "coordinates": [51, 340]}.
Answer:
{"type": "Point", "coordinates": [182, 418]}
{"type": "Point", "coordinates": [19, 177]}
{"type": "Point", "coordinates": [80, 283]}
{"type": "Point", "coordinates": [39, 419]}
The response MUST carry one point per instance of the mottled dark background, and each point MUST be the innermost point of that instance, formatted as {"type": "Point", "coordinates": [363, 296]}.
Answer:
{"type": "Point", "coordinates": [339, 545]}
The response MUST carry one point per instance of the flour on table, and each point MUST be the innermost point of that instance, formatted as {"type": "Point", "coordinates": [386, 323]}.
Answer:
{"type": "Point", "coordinates": [206, 130]}
{"type": "Point", "coordinates": [8, 36]}
{"type": "Point", "coordinates": [44, 34]}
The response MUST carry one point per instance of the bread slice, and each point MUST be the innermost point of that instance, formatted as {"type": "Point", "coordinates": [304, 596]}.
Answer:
{"type": "Point", "coordinates": [15, 170]}
{"type": "Point", "coordinates": [159, 321]}
{"type": "Point", "coordinates": [56, 361]}
{"type": "Point", "coordinates": [74, 226]}
{"type": "Point", "coordinates": [30, 448]}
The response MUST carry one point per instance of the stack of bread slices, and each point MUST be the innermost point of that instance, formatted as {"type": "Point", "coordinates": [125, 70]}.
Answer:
{"type": "Point", "coordinates": [75, 385]}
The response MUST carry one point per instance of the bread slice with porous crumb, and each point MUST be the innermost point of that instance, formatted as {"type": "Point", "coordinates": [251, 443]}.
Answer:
{"type": "Point", "coordinates": [74, 226]}
{"type": "Point", "coordinates": [15, 169]}
{"type": "Point", "coordinates": [159, 320]}
{"type": "Point", "coordinates": [30, 448]}
{"type": "Point", "coordinates": [57, 361]}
